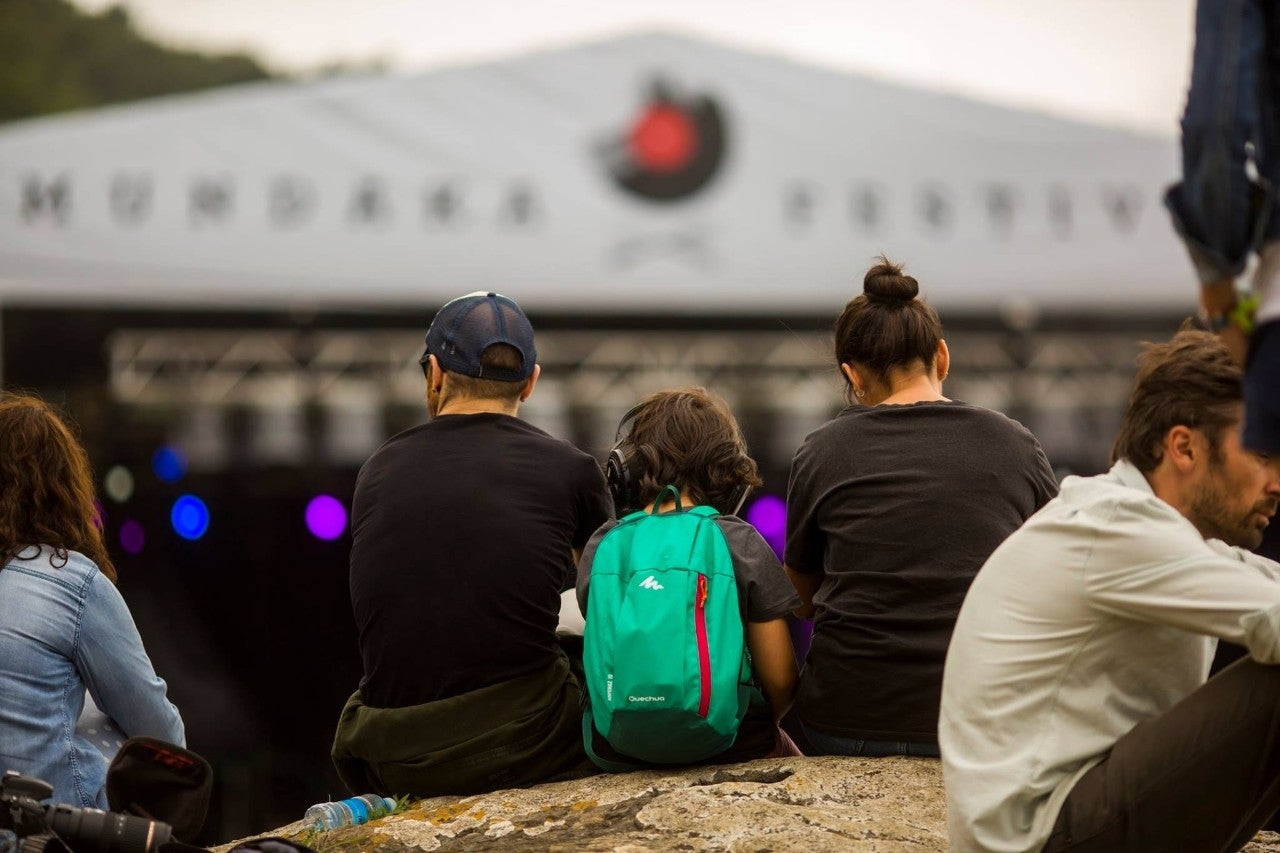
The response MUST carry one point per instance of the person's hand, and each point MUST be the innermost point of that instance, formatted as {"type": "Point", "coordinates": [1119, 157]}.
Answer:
{"type": "Point", "coordinates": [1217, 299]}
{"type": "Point", "coordinates": [1236, 341]}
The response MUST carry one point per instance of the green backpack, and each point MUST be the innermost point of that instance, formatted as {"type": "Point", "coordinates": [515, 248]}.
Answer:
{"type": "Point", "coordinates": [667, 668]}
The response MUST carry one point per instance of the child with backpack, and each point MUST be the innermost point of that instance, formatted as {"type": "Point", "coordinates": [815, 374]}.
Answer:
{"type": "Point", "coordinates": [686, 649]}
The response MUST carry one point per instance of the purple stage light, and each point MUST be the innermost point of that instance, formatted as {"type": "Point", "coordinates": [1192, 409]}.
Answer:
{"type": "Point", "coordinates": [326, 517]}
{"type": "Point", "coordinates": [132, 537]}
{"type": "Point", "coordinates": [768, 514]}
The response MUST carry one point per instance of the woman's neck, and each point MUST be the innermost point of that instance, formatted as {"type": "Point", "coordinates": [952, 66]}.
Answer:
{"type": "Point", "coordinates": [903, 390]}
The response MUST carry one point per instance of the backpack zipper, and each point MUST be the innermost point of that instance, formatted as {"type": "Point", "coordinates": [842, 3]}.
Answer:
{"type": "Point", "coordinates": [704, 652]}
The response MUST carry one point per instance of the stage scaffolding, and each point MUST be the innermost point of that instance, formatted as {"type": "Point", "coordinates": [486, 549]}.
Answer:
{"type": "Point", "coordinates": [320, 395]}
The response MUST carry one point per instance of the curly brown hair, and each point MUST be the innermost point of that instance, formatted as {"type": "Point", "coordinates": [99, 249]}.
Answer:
{"type": "Point", "coordinates": [688, 438]}
{"type": "Point", "coordinates": [46, 485]}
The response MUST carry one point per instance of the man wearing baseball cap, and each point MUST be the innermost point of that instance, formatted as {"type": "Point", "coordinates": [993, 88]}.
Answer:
{"type": "Point", "coordinates": [464, 532]}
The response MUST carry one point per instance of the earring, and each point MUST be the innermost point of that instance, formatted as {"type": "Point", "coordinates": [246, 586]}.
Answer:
{"type": "Point", "coordinates": [859, 393]}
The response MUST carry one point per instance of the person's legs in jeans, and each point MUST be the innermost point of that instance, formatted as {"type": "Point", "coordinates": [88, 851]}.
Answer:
{"type": "Point", "coordinates": [1268, 142]}
{"type": "Point", "coordinates": [1215, 208]}
{"type": "Point", "coordinates": [825, 744]}
{"type": "Point", "coordinates": [1261, 431]}
{"type": "Point", "coordinates": [1203, 776]}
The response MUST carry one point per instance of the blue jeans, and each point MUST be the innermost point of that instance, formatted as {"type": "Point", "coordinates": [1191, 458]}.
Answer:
{"type": "Point", "coordinates": [1231, 107]}
{"type": "Point", "coordinates": [1261, 398]}
{"type": "Point", "coordinates": [825, 744]}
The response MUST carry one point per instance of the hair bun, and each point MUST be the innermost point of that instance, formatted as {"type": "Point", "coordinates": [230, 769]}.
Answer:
{"type": "Point", "coordinates": [885, 283]}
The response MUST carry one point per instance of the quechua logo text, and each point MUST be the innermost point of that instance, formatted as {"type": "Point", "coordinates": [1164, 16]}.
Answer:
{"type": "Point", "coordinates": [673, 147]}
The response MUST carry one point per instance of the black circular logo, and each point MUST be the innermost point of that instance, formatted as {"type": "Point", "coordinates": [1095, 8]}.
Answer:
{"type": "Point", "coordinates": [672, 148]}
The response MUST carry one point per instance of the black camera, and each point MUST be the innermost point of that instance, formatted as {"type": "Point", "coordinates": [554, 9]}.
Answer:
{"type": "Point", "coordinates": [62, 828]}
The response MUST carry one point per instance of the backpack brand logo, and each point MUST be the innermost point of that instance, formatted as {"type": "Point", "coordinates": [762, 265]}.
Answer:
{"type": "Point", "coordinates": [650, 583]}
{"type": "Point", "coordinates": [646, 698]}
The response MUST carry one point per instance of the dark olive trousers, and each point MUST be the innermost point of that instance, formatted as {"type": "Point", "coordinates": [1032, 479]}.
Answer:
{"type": "Point", "coordinates": [520, 732]}
{"type": "Point", "coordinates": [1203, 777]}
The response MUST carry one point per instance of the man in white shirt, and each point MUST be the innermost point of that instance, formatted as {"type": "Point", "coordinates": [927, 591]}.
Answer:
{"type": "Point", "coordinates": [1075, 711]}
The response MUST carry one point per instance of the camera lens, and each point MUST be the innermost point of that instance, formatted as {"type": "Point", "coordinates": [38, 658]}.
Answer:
{"type": "Point", "coordinates": [95, 831]}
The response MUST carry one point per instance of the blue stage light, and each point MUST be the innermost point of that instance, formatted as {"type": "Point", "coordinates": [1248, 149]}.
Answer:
{"type": "Point", "coordinates": [168, 464]}
{"type": "Point", "coordinates": [190, 517]}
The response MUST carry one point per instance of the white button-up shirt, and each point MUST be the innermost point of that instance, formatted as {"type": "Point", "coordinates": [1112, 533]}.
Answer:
{"type": "Point", "coordinates": [1098, 613]}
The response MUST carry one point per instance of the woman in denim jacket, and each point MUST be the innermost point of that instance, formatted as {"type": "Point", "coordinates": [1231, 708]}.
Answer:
{"type": "Point", "coordinates": [63, 625]}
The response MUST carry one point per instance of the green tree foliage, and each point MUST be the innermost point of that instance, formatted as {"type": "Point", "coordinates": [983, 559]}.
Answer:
{"type": "Point", "coordinates": [53, 57]}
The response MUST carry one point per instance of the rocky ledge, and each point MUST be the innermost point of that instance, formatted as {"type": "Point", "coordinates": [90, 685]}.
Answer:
{"type": "Point", "coordinates": [809, 804]}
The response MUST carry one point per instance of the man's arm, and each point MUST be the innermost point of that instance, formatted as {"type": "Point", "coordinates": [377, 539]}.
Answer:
{"type": "Point", "coordinates": [594, 508]}
{"type": "Point", "coordinates": [1157, 569]}
{"type": "Point", "coordinates": [1219, 299]}
{"type": "Point", "coordinates": [584, 561]}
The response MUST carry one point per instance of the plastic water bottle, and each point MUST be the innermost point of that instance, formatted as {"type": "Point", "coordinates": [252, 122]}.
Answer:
{"type": "Point", "coordinates": [352, 811]}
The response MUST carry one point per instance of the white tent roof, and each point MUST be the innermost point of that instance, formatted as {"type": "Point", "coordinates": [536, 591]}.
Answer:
{"type": "Point", "coordinates": [381, 191]}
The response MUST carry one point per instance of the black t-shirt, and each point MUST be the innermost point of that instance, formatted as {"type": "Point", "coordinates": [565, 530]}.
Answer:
{"type": "Point", "coordinates": [462, 537]}
{"type": "Point", "coordinates": [898, 507]}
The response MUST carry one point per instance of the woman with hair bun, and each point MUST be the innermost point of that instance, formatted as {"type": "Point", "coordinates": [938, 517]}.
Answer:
{"type": "Point", "coordinates": [892, 507]}
{"type": "Point", "coordinates": [64, 628]}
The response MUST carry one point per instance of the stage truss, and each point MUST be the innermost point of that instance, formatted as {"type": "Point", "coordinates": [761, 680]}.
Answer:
{"type": "Point", "coordinates": [1068, 385]}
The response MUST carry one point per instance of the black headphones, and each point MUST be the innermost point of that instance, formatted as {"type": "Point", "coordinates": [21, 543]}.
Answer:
{"type": "Point", "coordinates": [624, 468]}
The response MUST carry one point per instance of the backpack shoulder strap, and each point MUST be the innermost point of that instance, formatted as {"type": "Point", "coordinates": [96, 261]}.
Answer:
{"type": "Point", "coordinates": [706, 516]}
{"type": "Point", "coordinates": [675, 496]}
{"type": "Point", "coordinates": [588, 735]}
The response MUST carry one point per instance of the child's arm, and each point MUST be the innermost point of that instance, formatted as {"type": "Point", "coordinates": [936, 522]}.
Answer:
{"type": "Point", "coordinates": [806, 587]}
{"type": "Point", "coordinates": [774, 663]}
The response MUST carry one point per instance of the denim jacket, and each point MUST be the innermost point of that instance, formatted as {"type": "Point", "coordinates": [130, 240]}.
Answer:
{"type": "Point", "coordinates": [65, 628]}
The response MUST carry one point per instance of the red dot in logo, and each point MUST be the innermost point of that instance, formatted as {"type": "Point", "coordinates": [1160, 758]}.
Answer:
{"type": "Point", "coordinates": [663, 139]}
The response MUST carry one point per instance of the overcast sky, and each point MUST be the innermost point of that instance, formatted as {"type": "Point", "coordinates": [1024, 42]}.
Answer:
{"type": "Point", "coordinates": [1121, 62]}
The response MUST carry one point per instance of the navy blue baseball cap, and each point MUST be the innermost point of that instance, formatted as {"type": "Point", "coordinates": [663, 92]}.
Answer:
{"type": "Point", "coordinates": [466, 326]}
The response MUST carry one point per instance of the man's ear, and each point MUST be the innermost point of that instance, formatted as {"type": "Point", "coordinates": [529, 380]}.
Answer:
{"type": "Point", "coordinates": [527, 391]}
{"type": "Point", "coordinates": [1183, 447]}
{"type": "Point", "coordinates": [435, 374]}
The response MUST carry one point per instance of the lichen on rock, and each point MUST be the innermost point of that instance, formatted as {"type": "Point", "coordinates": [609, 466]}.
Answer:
{"type": "Point", "coordinates": [865, 805]}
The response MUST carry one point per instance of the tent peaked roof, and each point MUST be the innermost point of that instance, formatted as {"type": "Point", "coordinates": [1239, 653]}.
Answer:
{"type": "Point", "coordinates": [649, 171]}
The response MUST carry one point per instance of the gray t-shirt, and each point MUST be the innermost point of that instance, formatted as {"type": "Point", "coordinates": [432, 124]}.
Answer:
{"type": "Point", "coordinates": [764, 593]}
{"type": "Point", "coordinates": [897, 507]}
